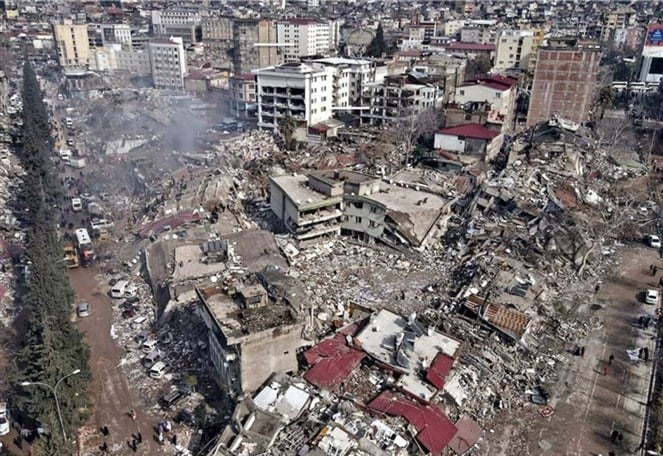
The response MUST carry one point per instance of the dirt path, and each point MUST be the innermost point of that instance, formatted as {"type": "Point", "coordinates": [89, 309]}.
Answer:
{"type": "Point", "coordinates": [110, 393]}
{"type": "Point", "coordinates": [589, 405]}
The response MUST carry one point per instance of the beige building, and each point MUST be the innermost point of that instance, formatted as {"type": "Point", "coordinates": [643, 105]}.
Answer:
{"type": "Point", "coordinates": [254, 45]}
{"type": "Point", "coordinates": [217, 29]}
{"type": "Point", "coordinates": [168, 63]}
{"type": "Point", "coordinates": [72, 44]}
{"type": "Point", "coordinates": [619, 18]}
{"type": "Point", "coordinates": [243, 99]}
{"type": "Point", "coordinates": [250, 335]}
{"type": "Point", "coordinates": [513, 50]}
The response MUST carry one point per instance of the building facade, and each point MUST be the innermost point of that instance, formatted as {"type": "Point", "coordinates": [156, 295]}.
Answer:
{"type": "Point", "coordinates": [162, 19]}
{"type": "Point", "coordinates": [72, 44]}
{"type": "Point", "coordinates": [168, 63]}
{"type": "Point", "coordinates": [497, 93]}
{"type": "Point", "coordinates": [303, 37]}
{"type": "Point", "coordinates": [513, 50]}
{"type": "Point", "coordinates": [396, 98]}
{"type": "Point", "coordinates": [217, 29]}
{"type": "Point", "coordinates": [135, 62]}
{"type": "Point", "coordinates": [301, 91]}
{"type": "Point", "coordinates": [243, 99]}
{"type": "Point", "coordinates": [651, 57]}
{"type": "Point", "coordinates": [564, 81]}
{"type": "Point", "coordinates": [254, 45]}
{"type": "Point", "coordinates": [116, 34]}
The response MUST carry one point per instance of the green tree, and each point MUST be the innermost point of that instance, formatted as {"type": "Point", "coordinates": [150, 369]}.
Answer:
{"type": "Point", "coordinates": [52, 347]}
{"type": "Point", "coordinates": [477, 67]}
{"type": "Point", "coordinates": [377, 46]}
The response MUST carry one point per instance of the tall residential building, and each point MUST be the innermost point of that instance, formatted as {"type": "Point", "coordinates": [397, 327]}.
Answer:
{"type": "Point", "coordinates": [116, 34]}
{"type": "Point", "coordinates": [513, 49]}
{"type": "Point", "coordinates": [651, 57]}
{"type": "Point", "coordinates": [254, 45]}
{"type": "Point", "coordinates": [72, 44]}
{"type": "Point", "coordinates": [303, 91]}
{"type": "Point", "coordinates": [397, 97]}
{"type": "Point", "coordinates": [349, 76]}
{"type": "Point", "coordinates": [303, 37]}
{"type": "Point", "coordinates": [168, 63]}
{"type": "Point", "coordinates": [217, 28]}
{"type": "Point", "coordinates": [564, 80]}
{"type": "Point", "coordinates": [184, 23]}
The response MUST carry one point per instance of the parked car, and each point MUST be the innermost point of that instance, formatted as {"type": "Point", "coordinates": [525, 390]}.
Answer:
{"type": "Point", "coordinates": [83, 310]}
{"type": "Point", "coordinates": [158, 370]}
{"type": "Point", "coordinates": [4, 419]}
{"type": "Point", "coordinates": [654, 241]}
{"type": "Point", "coordinates": [172, 398]}
{"type": "Point", "coordinates": [651, 297]}
{"type": "Point", "coordinates": [148, 346]}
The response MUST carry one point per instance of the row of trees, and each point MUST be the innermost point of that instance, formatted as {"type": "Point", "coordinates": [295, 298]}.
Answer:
{"type": "Point", "coordinates": [52, 345]}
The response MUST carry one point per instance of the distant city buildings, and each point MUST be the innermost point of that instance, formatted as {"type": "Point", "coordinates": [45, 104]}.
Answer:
{"type": "Point", "coordinates": [564, 80]}
{"type": "Point", "coordinates": [299, 38]}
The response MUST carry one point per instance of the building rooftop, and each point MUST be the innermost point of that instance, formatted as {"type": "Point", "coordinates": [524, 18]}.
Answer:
{"type": "Point", "coordinates": [402, 343]}
{"type": "Point", "coordinates": [415, 212]}
{"type": "Point", "coordinates": [236, 322]}
{"type": "Point", "coordinates": [469, 131]}
{"type": "Point", "coordinates": [462, 46]}
{"type": "Point", "coordinates": [297, 190]}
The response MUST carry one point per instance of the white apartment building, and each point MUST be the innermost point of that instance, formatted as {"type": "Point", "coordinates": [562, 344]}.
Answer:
{"type": "Point", "coordinates": [349, 76]}
{"type": "Point", "coordinates": [168, 63]}
{"type": "Point", "coordinates": [116, 34]}
{"type": "Point", "coordinates": [303, 91]}
{"type": "Point", "coordinates": [303, 37]}
{"type": "Point", "coordinates": [513, 49]}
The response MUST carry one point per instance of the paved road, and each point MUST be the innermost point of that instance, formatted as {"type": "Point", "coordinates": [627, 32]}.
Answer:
{"type": "Point", "coordinates": [110, 393]}
{"type": "Point", "coordinates": [589, 405]}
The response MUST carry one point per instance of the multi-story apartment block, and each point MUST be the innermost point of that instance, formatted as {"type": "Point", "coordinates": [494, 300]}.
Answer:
{"type": "Point", "coordinates": [302, 91]}
{"type": "Point", "coordinates": [348, 78]}
{"type": "Point", "coordinates": [564, 80]}
{"type": "Point", "coordinates": [217, 28]}
{"type": "Point", "coordinates": [116, 34]}
{"type": "Point", "coordinates": [254, 45]}
{"type": "Point", "coordinates": [303, 37]}
{"type": "Point", "coordinates": [622, 17]}
{"type": "Point", "coordinates": [397, 97]}
{"type": "Point", "coordinates": [479, 31]}
{"type": "Point", "coordinates": [513, 50]}
{"type": "Point", "coordinates": [104, 58]}
{"type": "Point", "coordinates": [243, 100]}
{"type": "Point", "coordinates": [168, 63]}
{"type": "Point", "coordinates": [72, 44]}
{"type": "Point", "coordinates": [136, 62]}
{"type": "Point", "coordinates": [497, 93]}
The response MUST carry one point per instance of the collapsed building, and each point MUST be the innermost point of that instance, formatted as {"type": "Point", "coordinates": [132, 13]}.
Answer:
{"type": "Point", "coordinates": [362, 206]}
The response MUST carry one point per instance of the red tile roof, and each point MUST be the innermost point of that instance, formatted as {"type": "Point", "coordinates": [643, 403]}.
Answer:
{"type": "Point", "coordinates": [468, 435]}
{"type": "Point", "coordinates": [435, 431]}
{"type": "Point", "coordinates": [244, 77]}
{"type": "Point", "coordinates": [469, 131]}
{"type": "Point", "coordinates": [300, 21]}
{"type": "Point", "coordinates": [463, 46]}
{"type": "Point", "coordinates": [332, 361]}
{"type": "Point", "coordinates": [494, 82]}
{"type": "Point", "coordinates": [439, 370]}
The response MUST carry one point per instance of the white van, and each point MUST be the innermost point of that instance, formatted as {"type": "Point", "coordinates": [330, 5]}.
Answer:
{"type": "Point", "coordinates": [137, 322]}
{"type": "Point", "coordinates": [117, 291]}
{"type": "Point", "coordinates": [158, 370]}
{"type": "Point", "coordinates": [148, 346]}
{"type": "Point", "coordinates": [76, 204]}
{"type": "Point", "coordinates": [68, 122]}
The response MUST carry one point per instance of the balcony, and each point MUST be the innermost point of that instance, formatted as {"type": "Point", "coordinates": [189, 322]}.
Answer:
{"type": "Point", "coordinates": [318, 216]}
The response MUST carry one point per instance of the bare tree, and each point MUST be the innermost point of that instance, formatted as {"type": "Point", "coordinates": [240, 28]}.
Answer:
{"type": "Point", "coordinates": [415, 126]}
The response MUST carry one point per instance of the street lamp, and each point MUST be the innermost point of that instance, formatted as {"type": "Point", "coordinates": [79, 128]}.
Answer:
{"type": "Point", "coordinates": [55, 395]}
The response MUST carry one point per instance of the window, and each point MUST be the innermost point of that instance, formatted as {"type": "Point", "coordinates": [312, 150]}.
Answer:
{"type": "Point", "coordinates": [498, 95]}
{"type": "Point", "coordinates": [375, 210]}
{"type": "Point", "coordinates": [461, 92]}
{"type": "Point", "coordinates": [357, 219]}
{"type": "Point", "coordinates": [372, 224]}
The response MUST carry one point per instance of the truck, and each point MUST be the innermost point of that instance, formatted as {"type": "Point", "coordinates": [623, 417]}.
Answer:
{"type": "Point", "coordinates": [70, 255]}
{"type": "Point", "coordinates": [85, 247]}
